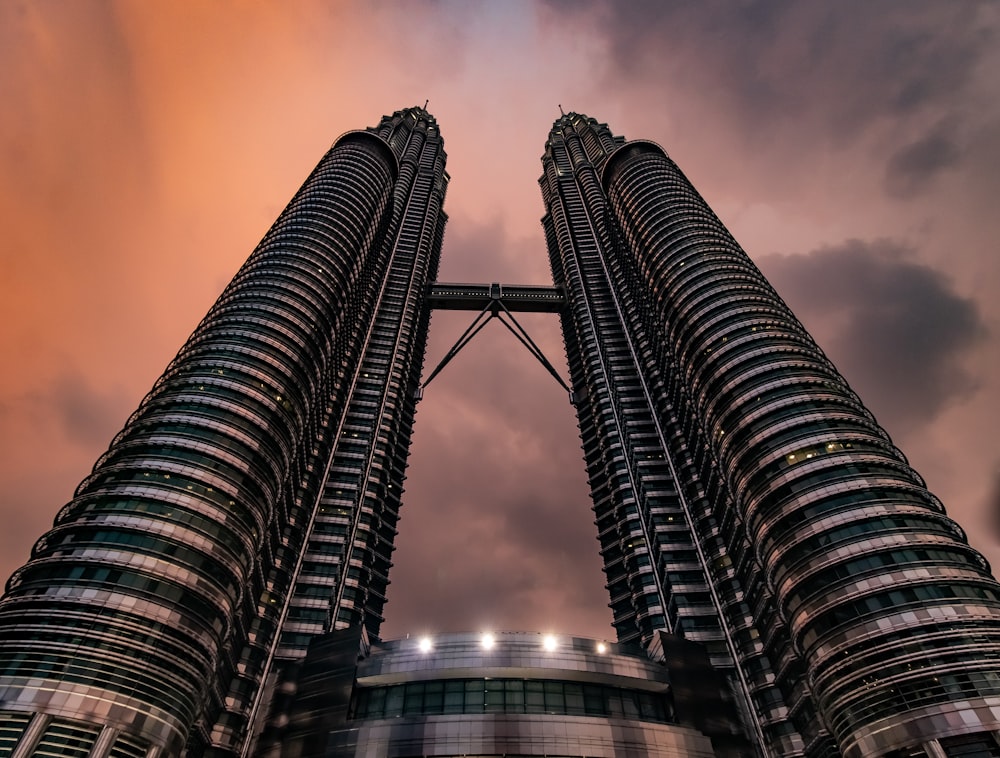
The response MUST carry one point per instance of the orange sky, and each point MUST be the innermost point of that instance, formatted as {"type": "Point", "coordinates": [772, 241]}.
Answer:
{"type": "Point", "coordinates": [145, 148]}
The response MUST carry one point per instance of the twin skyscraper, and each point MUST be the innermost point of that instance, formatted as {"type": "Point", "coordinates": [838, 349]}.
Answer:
{"type": "Point", "coordinates": [781, 581]}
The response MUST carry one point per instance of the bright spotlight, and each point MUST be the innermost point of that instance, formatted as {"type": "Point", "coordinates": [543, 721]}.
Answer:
{"type": "Point", "coordinates": [487, 641]}
{"type": "Point", "coordinates": [602, 648]}
{"type": "Point", "coordinates": [425, 644]}
{"type": "Point", "coordinates": [550, 642]}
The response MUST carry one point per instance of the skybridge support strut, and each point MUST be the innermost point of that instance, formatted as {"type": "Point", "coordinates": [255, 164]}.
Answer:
{"type": "Point", "coordinates": [496, 301]}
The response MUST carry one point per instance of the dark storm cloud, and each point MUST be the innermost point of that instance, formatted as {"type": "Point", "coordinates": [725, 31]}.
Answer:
{"type": "Point", "coordinates": [488, 252]}
{"type": "Point", "coordinates": [895, 328]}
{"type": "Point", "coordinates": [150, 145]}
{"type": "Point", "coordinates": [781, 71]}
{"type": "Point", "coordinates": [913, 167]}
{"type": "Point", "coordinates": [496, 511]}
{"type": "Point", "coordinates": [71, 409]}
{"type": "Point", "coordinates": [507, 547]}
{"type": "Point", "coordinates": [496, 524]}
{"type": "Point", "coordinates": [87, 415]}
{"type": "Point", "coordinates": [69, 420]}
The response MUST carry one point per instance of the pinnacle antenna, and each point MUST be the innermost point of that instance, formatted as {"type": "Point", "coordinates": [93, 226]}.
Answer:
{"type": "Point", "coordinates": [561, 110]}
{"type": "Point", "coordinates": [425, 103]}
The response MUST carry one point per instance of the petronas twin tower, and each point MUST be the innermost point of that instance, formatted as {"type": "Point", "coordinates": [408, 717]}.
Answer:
{"type": "Point", "coordinates": [781, 581]}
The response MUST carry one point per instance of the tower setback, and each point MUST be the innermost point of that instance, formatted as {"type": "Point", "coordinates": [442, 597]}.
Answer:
{"type": "Point", "coordinates": [781, 581]}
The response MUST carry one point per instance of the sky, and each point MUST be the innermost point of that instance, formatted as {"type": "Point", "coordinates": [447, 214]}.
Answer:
{"type": "Point", "coordinates": [145, 147]}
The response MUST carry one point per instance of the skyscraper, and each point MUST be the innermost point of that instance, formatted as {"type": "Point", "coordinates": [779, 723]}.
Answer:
{"type": "Point", "coordinates": [744, 496]}
{"type": "Point", "coordinates": [250, 502]}
{"type": "Point", "coordinates": [212, 583]}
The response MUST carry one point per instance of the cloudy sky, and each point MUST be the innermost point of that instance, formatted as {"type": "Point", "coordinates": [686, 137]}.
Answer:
{"type": "Point", "coordinates": [852, 147]}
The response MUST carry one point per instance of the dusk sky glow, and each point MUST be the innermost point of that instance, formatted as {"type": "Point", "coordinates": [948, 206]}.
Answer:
{"type": "Point", "coordinates": [851, 147]}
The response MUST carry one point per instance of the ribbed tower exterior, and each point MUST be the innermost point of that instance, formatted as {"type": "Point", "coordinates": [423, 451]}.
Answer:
{"type": "Point", "coordinates": [744, 496]}
{"type": "Point", "coordinates": [251, 501]}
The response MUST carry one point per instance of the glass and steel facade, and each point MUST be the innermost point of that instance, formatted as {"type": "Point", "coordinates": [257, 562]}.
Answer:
{"type": "Point", "coordinates": [743, 494]}
{"type": "Point", "coordinates": [750, 511]}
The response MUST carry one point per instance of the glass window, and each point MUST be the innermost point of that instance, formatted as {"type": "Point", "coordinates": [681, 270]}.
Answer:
{"type": "Point", "coordinates": [574, 698]}
{"type": "Point", "coordinates": [507, 696]}
{"type": "Point", "coordinates": [454, 697]}
{"type": "Point", "coordinates": [394, 701]}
